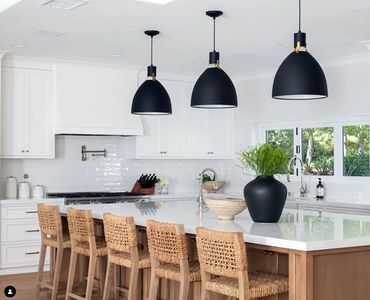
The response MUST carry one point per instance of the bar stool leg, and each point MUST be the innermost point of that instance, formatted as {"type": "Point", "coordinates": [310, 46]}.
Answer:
{"type": "Point", "coordinates": [184, 290]}
{"type": "Point", "coordinates": [204, 292]}
{"type": "Point", "coordinates": [71, 274]}
{"type": "Point", "coordinates": [90, 276]}
{"type": "Point", "coordinates": [154, 283]}
{"type": "Point", "coordinates": [41, 269]}
{"type": "Point", "coordinates": [185, 280]}
{"type": "Point", "coordinates": [134, 274]}
{"type": "Point", "coordinates": [117, 281]}
{"type": "Point", "coordinates": [102, 267]}
{"type": "Point", "coordinates": [108, 278]}
{"type": "Point", "coordinates": [57, 271]}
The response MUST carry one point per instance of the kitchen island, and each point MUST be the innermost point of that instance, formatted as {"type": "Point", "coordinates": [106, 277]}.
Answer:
{"type": "Point", "coordinates": [325, 255]}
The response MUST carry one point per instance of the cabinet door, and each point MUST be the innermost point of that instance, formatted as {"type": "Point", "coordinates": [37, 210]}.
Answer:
{"type": "Point", "coordinates": [195, 126]}
{"type": "Point", "coordinates": [12, 112]}
{"type": "Point", "coordinates": [171, 137]}
{"type": "Point", "coordinates": [39, 138]}
{"type": "Point", "coordinates": [219, 133]}
{"type": "Point", "coordinates": [148, 144]}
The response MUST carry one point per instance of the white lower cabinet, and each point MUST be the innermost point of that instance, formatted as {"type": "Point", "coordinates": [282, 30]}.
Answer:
{"type": "Point", "coordinates": [188, 132]}
{"type": "Point", "coordinates": [26, 115]}
{"type": "Point", "coordinates": [20, 239]}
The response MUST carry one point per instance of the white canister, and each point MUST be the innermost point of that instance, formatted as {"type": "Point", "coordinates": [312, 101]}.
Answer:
{"type": "Point", "coordinates": [38, 191]}
{"type": "Point", "coordinates": [11, 187]}
{"type": "Point", "coordinates": [24, 190]}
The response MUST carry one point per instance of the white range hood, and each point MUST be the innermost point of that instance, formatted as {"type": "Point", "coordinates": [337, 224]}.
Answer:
{"type": "Point", "coordinates": [95, 100]}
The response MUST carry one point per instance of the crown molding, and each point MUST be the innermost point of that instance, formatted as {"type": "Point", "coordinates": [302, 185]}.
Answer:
{"type": "Point", "coordinates": [3, 53]}
{"type": "Point", "coordinates": [366, 44]}
{"type": "Point", "coordinates": [13, 60]}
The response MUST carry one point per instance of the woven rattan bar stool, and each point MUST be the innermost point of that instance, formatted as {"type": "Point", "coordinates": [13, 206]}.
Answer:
{"type": "Point", "coordinates": [83, 242]}
{"type": "Point", "coordinates": [122, 243]}
{"type": "Point", "coordinates": [224, 268]}
{"type": "Point", "coordinates": [52, 236]}
{"type": "Point", "coordinates": [169, 257]}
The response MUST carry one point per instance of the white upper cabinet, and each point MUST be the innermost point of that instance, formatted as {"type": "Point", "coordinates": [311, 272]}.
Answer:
{"type": "Point", "coordinates": [188, 132]}
{"type": "Point", "coordinates": [163, 135]}
{"type": "Point", "coordinates": [26, 116]}
{"type": "Point", "coordinates": [95, 100]}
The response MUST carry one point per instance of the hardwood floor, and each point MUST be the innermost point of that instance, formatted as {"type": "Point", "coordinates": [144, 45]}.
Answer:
{"type": "Point", "coordinates": [25, 285]}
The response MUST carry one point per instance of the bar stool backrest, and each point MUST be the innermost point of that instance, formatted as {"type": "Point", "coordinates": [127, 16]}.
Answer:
{"type": "Point", "coordinates": [50, 221]}
{"type": "Point", "coordinates": [167, 242]}
{"type": "Point", "coordinates": [120, 232]}
{"type": "Point", "coordinates": [221, 253]}
{"type": "Point", "coordinates": [80, 225]}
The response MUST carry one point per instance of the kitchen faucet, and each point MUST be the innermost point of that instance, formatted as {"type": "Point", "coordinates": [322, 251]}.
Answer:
{"type": "Point", "coordinates": [304, 189]}
{"type": "Point", "coordinates": [201, 197]}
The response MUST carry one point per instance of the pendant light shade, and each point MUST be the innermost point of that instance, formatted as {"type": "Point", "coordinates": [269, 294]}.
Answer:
{"type": "Point", "coordinates": [300, 76]}
{"type": "Point", "coordinates": [151, 98]}
{"type": "Point", "coordinates": [214, 88]}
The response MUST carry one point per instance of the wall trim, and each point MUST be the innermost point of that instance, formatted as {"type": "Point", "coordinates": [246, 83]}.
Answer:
{"type": "Point", "coordinates": [18, 61]}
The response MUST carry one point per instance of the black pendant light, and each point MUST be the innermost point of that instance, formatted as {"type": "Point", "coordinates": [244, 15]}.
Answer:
{"type": "Point", "coordinates": [214, 88]}
{"type": "Point", "coordinates": [300, 76]}
{"type": "Point", "coordinates": [151, 98]}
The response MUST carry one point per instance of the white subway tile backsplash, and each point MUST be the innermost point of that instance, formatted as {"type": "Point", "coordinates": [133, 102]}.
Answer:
{"type": "Point", "coordinates": [120, 169]}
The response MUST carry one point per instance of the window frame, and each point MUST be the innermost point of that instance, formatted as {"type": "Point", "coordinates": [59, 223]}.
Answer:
{"type": "Point", "coordinates": [297, 126]}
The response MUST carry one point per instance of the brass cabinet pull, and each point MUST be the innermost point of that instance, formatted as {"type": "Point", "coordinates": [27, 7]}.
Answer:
{"type": "Point", "coordinates": [31, 211]}
{"type": "Point", "coordinates": [32, 230]}
{"type": "Point", "coordinates": [32, 253]}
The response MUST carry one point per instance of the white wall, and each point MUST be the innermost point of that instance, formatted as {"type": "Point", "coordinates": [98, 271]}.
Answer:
{"type": "Point", "coordinates": [348, 82]}
{"type": "Point", "coordinates": [349, 97]}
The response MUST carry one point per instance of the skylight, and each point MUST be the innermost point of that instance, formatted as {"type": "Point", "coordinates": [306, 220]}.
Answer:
{"type": "Point", "coordinates": [156, 1]}
{"type": "Point", "coordinates": [64, 4]}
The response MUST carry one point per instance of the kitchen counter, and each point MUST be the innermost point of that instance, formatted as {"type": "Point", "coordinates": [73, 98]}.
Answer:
{"type": "Point", "coordinates": [16, 201]}
{"type": "Point", "coordinates": [297, 229]}
{"type": "Point", "coordinates": [323, 254]}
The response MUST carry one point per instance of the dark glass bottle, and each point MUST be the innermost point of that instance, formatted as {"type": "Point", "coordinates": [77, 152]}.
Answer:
{"type": "Point", "coordinates": [320, 190]}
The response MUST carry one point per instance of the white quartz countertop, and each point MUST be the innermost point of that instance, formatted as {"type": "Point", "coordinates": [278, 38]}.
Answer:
{"type": "Point", "coordinates": [297, 229]}
{"type": "Point", "coordinates": [27, 201]}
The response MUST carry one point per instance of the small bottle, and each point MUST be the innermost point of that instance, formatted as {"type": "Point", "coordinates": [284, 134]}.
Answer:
{"type": "Point", "coordinates": [320, 190]}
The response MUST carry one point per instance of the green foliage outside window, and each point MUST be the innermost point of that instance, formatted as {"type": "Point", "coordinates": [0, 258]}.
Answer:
{"type": "Point", "coordinates": [356, 150]}
{"type": "Point", "coordinates": [318, 150]}
{"type": "Point", "coordinates": [282, 138]}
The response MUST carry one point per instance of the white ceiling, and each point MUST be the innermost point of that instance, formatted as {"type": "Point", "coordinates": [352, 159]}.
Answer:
{"type": "Point", "coordinates": [253, 35]}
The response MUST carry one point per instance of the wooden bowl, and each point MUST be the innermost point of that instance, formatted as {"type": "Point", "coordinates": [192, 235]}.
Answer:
{"type": "Point", "coordinates": [213, 186]}
{"type": "Point", "coordinates": [225, 208]}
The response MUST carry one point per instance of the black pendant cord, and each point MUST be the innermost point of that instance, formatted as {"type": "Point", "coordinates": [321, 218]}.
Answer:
{"type": "Point", "coordinates": [300, 15]}
{"type": "Point", "coordinates": [151, 51]}
{"type": "Point", "coordinates": [214, 34]}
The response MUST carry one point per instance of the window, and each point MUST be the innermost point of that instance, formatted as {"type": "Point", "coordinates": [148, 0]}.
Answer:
{"type": "Point", "coordinates": [318, 150]}
{"type": "Point", "coordinates": [332, 150]}
{"type": "Point", "coordinates": [356, 150]}
{"type": "Point", "coordinates": [284, 138]}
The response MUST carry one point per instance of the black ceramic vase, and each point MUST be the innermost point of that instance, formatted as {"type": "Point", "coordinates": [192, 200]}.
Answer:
{"type": "Point", "coordinates": [265, 197]}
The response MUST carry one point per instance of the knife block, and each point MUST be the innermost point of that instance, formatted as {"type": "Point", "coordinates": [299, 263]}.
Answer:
{"type": "Point", "coordinates": [140, 190]}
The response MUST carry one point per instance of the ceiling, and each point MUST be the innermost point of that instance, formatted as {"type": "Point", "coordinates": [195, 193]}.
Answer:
{"type": "Point", "coordinates": [252, 35]}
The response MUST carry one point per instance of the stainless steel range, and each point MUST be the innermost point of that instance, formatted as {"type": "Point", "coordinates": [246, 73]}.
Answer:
{"type": "Point", "coordinates": [99, 197]}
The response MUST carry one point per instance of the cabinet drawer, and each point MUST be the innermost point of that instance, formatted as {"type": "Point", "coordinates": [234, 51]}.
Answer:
{"type": "Point", "coordinates": [16, 212]}
{"type": "Point", "coordinates": [20, 255]}
{"type": "Point", "coordinates": [20, 231]}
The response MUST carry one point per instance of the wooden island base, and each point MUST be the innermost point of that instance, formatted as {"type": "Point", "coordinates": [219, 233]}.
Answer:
{"type": "Point", "coordinates": [337, 274]}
